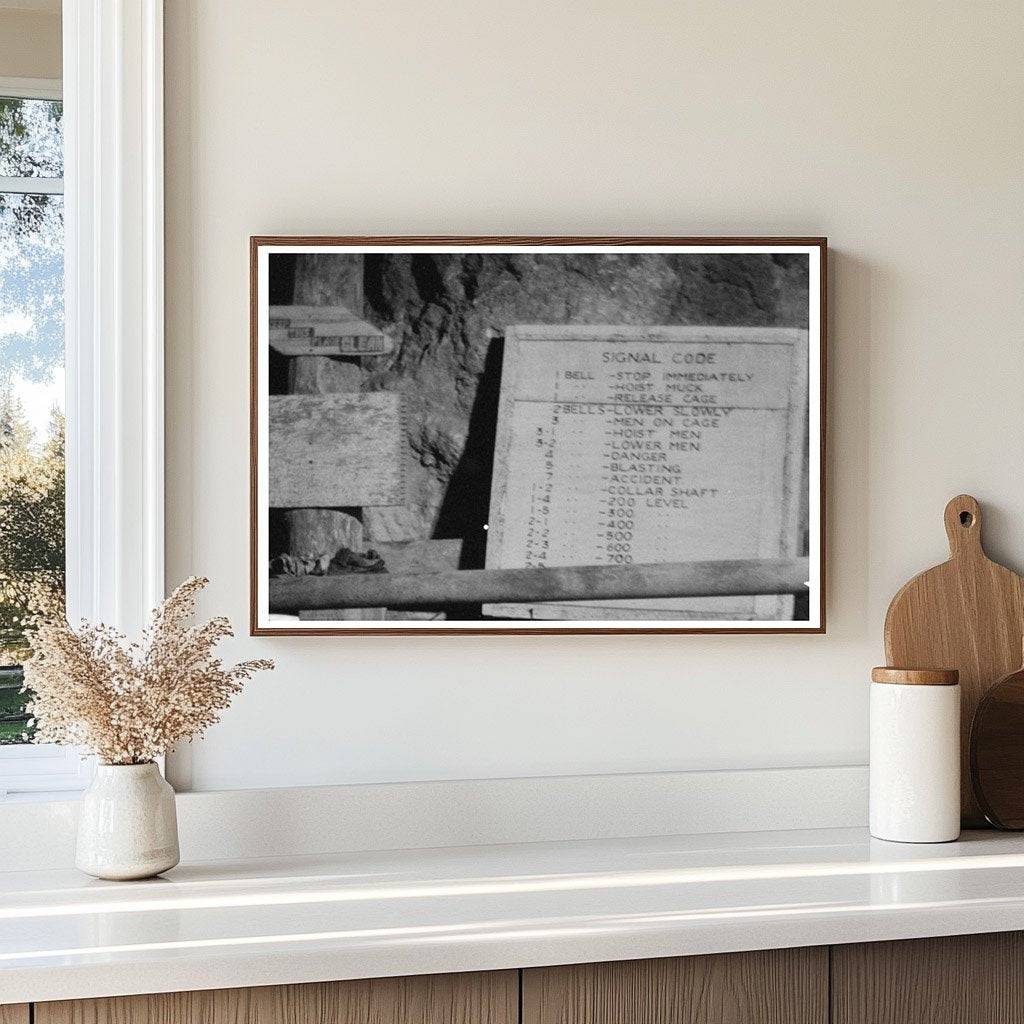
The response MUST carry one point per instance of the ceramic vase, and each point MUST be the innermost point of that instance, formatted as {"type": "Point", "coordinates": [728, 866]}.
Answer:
{"type": "Point", "coordinates": [127, 825]}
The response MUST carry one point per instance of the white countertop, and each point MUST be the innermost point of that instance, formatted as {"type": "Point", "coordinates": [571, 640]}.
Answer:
{"type": "Point", "coordinates": [261, 922]}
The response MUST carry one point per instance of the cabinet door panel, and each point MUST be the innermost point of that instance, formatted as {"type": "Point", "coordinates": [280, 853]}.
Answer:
{"type": "Point", "coordinates": [778, 986]}
{"type": "Point", "coordinates": [961, 979]}
{"type": "Point", "coordinates": [481, 998]}
{"type": "Point", "coordinates": [14, 1013]}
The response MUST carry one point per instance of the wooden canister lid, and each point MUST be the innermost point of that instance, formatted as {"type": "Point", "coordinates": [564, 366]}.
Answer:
{"type": "Point", "coordinates": [916, 676]}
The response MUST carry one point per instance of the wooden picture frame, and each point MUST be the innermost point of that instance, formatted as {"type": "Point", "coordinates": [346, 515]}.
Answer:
{"type": "Point", "coordinates": [354, 412]}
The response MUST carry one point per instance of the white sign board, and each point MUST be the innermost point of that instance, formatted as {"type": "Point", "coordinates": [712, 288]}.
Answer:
{"type": "Point", "coordinates": [640, 445]}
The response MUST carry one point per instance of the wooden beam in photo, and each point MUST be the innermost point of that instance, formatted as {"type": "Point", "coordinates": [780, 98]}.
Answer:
{"type": "Point", "coordinates": [562, 583]}
{"type": "Point", "coordinates": [336, 451]}
{"type": "Point", "coordinates": [343, 615]}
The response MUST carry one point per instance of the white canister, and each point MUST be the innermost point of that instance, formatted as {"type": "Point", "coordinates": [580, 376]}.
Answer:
{"type": "Point", "coordinates": [915, 755]}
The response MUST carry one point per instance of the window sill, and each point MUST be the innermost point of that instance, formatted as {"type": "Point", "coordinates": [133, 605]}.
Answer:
{"type": "Point", "coordinates": [37, 772]}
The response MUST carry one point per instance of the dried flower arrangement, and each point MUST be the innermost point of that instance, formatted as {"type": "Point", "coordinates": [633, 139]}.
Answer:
{"type": "Point", "coordinates": [129, 703]}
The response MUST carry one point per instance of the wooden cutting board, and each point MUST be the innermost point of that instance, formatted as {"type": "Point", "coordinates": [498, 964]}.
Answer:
{"type": "Point", "coordinates": [967, 614]}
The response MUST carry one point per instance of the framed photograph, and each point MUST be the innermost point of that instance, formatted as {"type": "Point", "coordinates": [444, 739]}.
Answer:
{"type": "Point", "coordinates": [537, 435]}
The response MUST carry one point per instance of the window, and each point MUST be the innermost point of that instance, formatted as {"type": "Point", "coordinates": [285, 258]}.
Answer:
{"type": "Point", "coordinates": [32, 513]}
{"type": "Point", "coordinates": [85, 180]}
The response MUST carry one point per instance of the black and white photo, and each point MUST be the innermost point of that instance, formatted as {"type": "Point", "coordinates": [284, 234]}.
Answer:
{"type": "Point", "coordinates": [537, 435]}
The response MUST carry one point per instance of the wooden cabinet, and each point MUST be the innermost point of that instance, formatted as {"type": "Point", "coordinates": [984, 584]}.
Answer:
{"type": "Point", "coordinates": [971, 979]}
{"type": "Point", "coordinates": [490, 998]}
{"type": "Point", "coordinates": [777, 986]}
{"type": "Point", "coordinates": [963, 979]}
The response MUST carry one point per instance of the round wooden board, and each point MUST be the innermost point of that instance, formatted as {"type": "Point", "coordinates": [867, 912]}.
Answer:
{"type": "Point", "coordinates": [997, 752]}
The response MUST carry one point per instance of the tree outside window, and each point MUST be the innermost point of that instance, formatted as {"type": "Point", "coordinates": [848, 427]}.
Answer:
{"type": "Point", "coordinates": [31, 387]}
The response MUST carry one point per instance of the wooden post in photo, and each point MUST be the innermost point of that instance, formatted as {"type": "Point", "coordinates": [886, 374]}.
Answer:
{"type": "Point", "coordinates": [321, 282]}
{"type": "Point", "coordinates": [314, 529]}
{"type": "Point", "coordinates": [321, 529]}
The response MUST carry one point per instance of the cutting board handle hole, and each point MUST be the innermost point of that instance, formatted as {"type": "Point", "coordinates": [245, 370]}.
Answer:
{"type": "Point", "coordinates": [962, 517]}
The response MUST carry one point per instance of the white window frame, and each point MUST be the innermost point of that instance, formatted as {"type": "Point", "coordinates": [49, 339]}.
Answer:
{"type": "Point", "coordinates": [32, 88]}
{"type": "Point", "coordinates": [114, 326]}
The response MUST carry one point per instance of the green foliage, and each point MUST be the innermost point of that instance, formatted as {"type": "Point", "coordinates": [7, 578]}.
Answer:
{"type": "Point", "coordinates": [30, 138]}
{"type": "Point", "coordinates": [14, 727]}
{"type": "Point", "coordinates": [31, 544]}
{"type": "Point", "coordinates": [31, 347]}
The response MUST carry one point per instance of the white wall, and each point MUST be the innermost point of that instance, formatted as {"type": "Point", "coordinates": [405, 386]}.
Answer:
{"type": "Point", "coordinates": [30, 39]}
{"type": "Point", "coordinates": [895, 129]}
